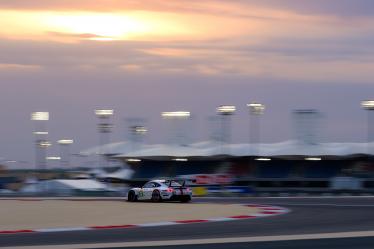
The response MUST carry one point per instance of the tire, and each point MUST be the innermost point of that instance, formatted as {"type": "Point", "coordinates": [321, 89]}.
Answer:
{"type": "Point", "coordinates": [156, 196]}
{"type": "Point", "coordinates": [132, 197]}
{"type": "Point", "coordinates": [186, 199]}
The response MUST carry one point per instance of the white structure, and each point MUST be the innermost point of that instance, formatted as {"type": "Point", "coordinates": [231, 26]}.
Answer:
{"type": "Point", "coordinates": [66, 186]}
{"type": "Point", "coordinates": [209, 148]}
{"type": "Point", "coordinates": [121, 174]}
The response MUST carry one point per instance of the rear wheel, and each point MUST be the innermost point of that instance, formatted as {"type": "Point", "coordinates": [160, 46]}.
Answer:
{"type": "Point", "coordinates": [156, 197]}
{"type": "Point", "coordinates": [186, 199]}
{"type": "Point", "coordinates": [132, 197]}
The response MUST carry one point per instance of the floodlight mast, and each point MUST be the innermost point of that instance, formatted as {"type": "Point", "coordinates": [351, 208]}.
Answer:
{"type": "Point", "coordinates": [368, 105]}
{"type": "Point", "coordinates": [225, 112]}
{"type": "Point", "coordinates": [104, 128]}
{"type": "Point", "coordinates": [40, 133]}
{"type": "Point", "coordinates": [177, 119]}
{"type": "Point", "coordinates": [256, 110]}
{"type": "Point", "coordinates": [104, 113]}
{"type": "Point", "coordinates": [136, 131]}
{"type": "Point", "coordinates": [226, 109]}
{"type": "Point", "coordinates": [177, 114]}
{"type": "Point", "coordinates": [139, 129]}
{"type": "Point", "coordinates": [65, 151]}
{"type": "Point", "coordinates": [40, 116]}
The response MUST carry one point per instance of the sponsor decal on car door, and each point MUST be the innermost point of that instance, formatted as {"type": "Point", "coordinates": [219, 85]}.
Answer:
{"type": "Point", "coordinates": [148, 193]}
{"type": "Point", "coordinates": [141, 194]}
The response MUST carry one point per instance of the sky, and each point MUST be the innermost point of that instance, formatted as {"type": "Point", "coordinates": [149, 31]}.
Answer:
{"type": "Point", "coordinates": [140, 58]}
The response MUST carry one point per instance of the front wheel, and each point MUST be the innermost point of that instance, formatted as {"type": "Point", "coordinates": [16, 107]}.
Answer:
{"type": "Point", "coordinates": [131, 196]}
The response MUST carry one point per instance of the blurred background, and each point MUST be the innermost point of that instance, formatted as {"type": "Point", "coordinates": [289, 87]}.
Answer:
{"type": "Point", "coordinates": [241, 97]}
{"type": "Point", "coordinates": [305, 164]}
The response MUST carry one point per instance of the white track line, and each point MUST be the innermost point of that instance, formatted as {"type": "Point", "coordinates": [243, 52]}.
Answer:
{"type": "Point", "coordinates": [156, 224]}
{"type": "Point", "coordinates": [324, 204]}
{"type": "Point", "coordinates": [62, 229]}
{"type": "Point", "coordinates": [207, 241]}
{"type": "Point", "coordinates": [288, 197]}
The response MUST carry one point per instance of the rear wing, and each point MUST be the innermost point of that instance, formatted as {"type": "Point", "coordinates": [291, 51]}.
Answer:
{"type": "Point", "coordinates": [181, 182]}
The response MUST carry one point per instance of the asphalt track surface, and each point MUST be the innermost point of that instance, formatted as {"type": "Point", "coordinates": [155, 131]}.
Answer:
{"type": "Point", "coordinates": [362, 243]}
{"type": "Point", "coordinates": [307, 216]}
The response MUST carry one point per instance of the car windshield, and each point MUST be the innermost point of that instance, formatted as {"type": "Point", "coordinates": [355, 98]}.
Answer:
{"type": "Point", "coordinates": [173, 183]}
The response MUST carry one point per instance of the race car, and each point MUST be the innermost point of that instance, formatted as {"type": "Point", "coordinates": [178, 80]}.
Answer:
{"type": "Point", "coordinates": [160, 190]}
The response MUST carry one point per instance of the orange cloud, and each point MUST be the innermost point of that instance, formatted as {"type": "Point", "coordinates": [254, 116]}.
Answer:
{"type": "Point", "coordinates": [131, 67]}
{"type": "Point", "coordinates": [196, 37]}
{"type": "Point", "coordinates": [19, 67]}
{"type": "Point", "coordinates": [155, 21]}
{"type": "Point", "coordinates": [167, 52]}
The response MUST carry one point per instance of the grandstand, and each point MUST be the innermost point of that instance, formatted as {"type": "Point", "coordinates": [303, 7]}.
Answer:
{"type": "Point", "coordinates": [288, 166]}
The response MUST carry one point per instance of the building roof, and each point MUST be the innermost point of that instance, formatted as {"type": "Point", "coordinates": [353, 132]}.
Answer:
{"type": "Point", "coordinates": [211, 148]}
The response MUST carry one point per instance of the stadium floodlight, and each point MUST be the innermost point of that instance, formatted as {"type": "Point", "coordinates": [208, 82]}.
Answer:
{"type": "Point", "coordinates": [44, 144]}
{"type": "Point", "coordinates": [226, 109]}
{"type": "Point", "coordinates": [65, 141]}
{"type": "Point", "coordinates": [139, 129]}
{"type": "Point", "coordinates": [256, 108]}
{"type": "Point", "coordinates": [104, 128]}
{"type": "Point", "coordinates": [263, 159]}
{"type": "Point", "coordinates": [40, 116]}
{"type": "Point", "coordinates": [136, 131]}
{"type": "Point", "coordinates": [313, 158]}
{"type": "Point", "coordinates": [177, 121]}
{"type": "Point", "coordinates": [180, 159]}
{"type": "Point", "coordinates": [177, 114]}
{"type": "Point", "coordinates": [367, 104]}
{"type": "Point", "coordinates": [39, 119]}
{"type": "Point", "coordinates": [104, 113]}
{"type": "Point", "coordinates": [133, 160]}
{"type": "Point", "coordinates": [65, 151]}
{"type": "Point", "coordinates": [40, 133]}
{"type": "Point", "coordinates": [10, 161]}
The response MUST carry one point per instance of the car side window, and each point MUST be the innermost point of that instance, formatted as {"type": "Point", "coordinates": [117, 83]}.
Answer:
{"type": "Point", "coordinates": [157, 185]}
{"type": "Point", "coordinates": [149, 185]}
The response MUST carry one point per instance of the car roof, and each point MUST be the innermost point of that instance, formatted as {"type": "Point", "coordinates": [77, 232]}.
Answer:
{"type": "Point", "coordinates": [158, 180]}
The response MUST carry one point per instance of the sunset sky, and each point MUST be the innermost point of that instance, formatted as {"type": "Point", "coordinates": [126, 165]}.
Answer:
{"type": "Point", "coordinates": [69, 57]}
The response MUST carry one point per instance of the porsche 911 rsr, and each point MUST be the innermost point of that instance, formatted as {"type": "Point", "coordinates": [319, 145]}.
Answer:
{"type": "Point", "coordinates": [159, 190]}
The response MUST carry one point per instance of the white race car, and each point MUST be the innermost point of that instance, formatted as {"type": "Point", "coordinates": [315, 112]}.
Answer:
{"type": "Point", "coordinates": [159, 190]}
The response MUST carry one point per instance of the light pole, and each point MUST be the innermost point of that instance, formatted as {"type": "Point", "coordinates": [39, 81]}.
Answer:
{"type": "Point", "coordinates": [65, 152]}
{"type": "Point", "coordinates": [137, 134]}
{"type": "Point", "coordinates": [104, 127]}
{"type": "Point", "coordinates": [176, 118]}
{"type": "Point", "coordinates": [225, 112]}
{"type": "Point", "coordinates": [53, 159]}
{"type": "Point", "coordinates": [255, 112]}
{"type": "Point", "coordinates": [41, 142]}
{"type": "Point", "coordinates": [368, 105]}
{"type": "Point", "coordinates": [136, 131]}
